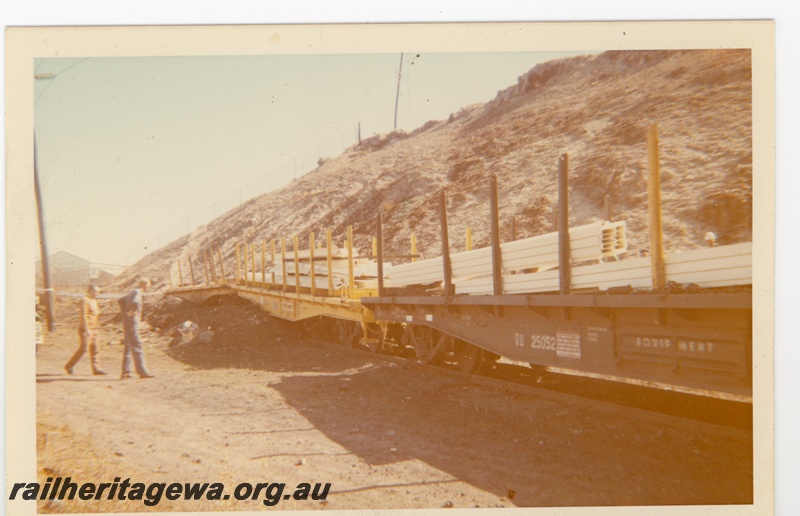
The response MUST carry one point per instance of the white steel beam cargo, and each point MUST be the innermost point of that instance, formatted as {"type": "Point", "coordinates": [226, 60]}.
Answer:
{"type": "Point", "coordinates": [591, 242]}
{"type": "Point", "coordinates": [711, 267]}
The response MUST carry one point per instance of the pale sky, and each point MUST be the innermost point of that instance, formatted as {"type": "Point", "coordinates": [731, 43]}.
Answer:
{"type": "Point", "coordinates": [130, 148]}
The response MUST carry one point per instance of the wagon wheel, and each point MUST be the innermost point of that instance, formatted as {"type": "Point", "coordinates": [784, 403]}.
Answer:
{"type": "Point", "coordinates": [375, 338]}
{"type": "Point", "coordinates": [428, 344]}
{"type": "Point", "coordinates": [469, 357]}
{"type": "Point", "coordinates": [346, 332]}
{"type": "Point", "coordinates": [394, 341]}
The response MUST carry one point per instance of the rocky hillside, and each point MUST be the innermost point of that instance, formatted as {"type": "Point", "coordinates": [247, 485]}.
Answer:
{"type": "Point", "coordinates": [595, 108]}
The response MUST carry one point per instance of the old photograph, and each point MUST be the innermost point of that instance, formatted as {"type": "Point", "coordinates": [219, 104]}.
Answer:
{"type": "Point", "coordinates": [466, 266]}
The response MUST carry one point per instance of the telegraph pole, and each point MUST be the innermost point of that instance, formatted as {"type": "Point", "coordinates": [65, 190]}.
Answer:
{"type": "Point", "coordinates": [48, 288]}
{"type": "Point", "coordinates": [397, 97]}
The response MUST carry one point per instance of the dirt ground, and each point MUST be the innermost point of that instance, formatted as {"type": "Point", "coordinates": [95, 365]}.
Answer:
{"type": "Point", "coordinates": [248, 398]}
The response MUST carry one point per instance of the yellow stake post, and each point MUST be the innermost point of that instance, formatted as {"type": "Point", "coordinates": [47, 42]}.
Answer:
{"type": "Point", "coordinates": [296, 264]}
{"type": "Point", "coordinates": [654, 211]}
{"type": "Point", "coordinates": [352, 279]}
{"type": "Point", "coordinates": [191, 270]}
{"type": "Point", "coordinates": [253, 262]}
{"type": "Point", "coordinates": [245, 261]}
{"type": "Point", "coordinates": [272, 261]}
{"type": "Point", "coordinates": [221, 265]}
{"type": "Point", "coordinates": [213, 266]}
{"type": "Point", "coordinates": [263, 264]}
{"type": "Point", "coordinates": [238, 264]}
{"type": "Point", "coordinates": [329, 239]}
{"type": "Point", "coordinates": [311, 257]}
{"type": "Point", "coordinates": [283, 261]}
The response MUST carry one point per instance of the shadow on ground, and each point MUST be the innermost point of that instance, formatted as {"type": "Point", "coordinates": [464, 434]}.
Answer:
{"type": "Point", "coordinates": [533, 450]}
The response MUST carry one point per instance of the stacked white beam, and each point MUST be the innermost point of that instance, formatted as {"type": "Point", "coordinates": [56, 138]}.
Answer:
{"type": "Point", "coordinates": [710, 267]}
{"type": "Point", "coordinates": [591, 242]}
{"type": "Point", "coordinates": [713, 266]}
{"type": "Point", "coordinates": [305, 281]}
{"type": "Point", "coordinates": [365, 270]}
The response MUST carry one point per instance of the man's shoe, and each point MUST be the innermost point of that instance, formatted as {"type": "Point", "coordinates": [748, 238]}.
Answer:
{"type": "Point", "coordinates": [125, 377]}
{"type": "Point", "coordinates": [99, 372]}
{"type": "Point", "coordinates": [146, 376]}
{"type": "Point", "coordinates": [68, 369]}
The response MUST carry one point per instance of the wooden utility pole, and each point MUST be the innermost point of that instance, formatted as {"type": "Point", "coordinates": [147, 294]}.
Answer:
{"type": "Point", "coordinates": [397, 97]}
{"type": "Point", "coordinates": [48, 287]}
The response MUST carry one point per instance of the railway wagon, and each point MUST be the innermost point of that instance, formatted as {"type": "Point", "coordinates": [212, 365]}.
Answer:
{"type": "Point", "coordinates": [573, 301]}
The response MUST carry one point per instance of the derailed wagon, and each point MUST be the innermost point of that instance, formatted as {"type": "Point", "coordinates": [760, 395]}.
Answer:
{"type": "Point", "coordinates": [573, 300]}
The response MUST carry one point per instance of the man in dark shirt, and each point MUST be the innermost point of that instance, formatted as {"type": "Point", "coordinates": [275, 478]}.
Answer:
{"type": "Point", "coordinates": [131, 306]}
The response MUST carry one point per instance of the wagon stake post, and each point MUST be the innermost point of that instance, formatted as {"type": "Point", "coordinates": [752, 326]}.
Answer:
{"type": "Point", "coordinates": [654, 211]}
{"type": "Point", "coordinates": [563, 226]}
